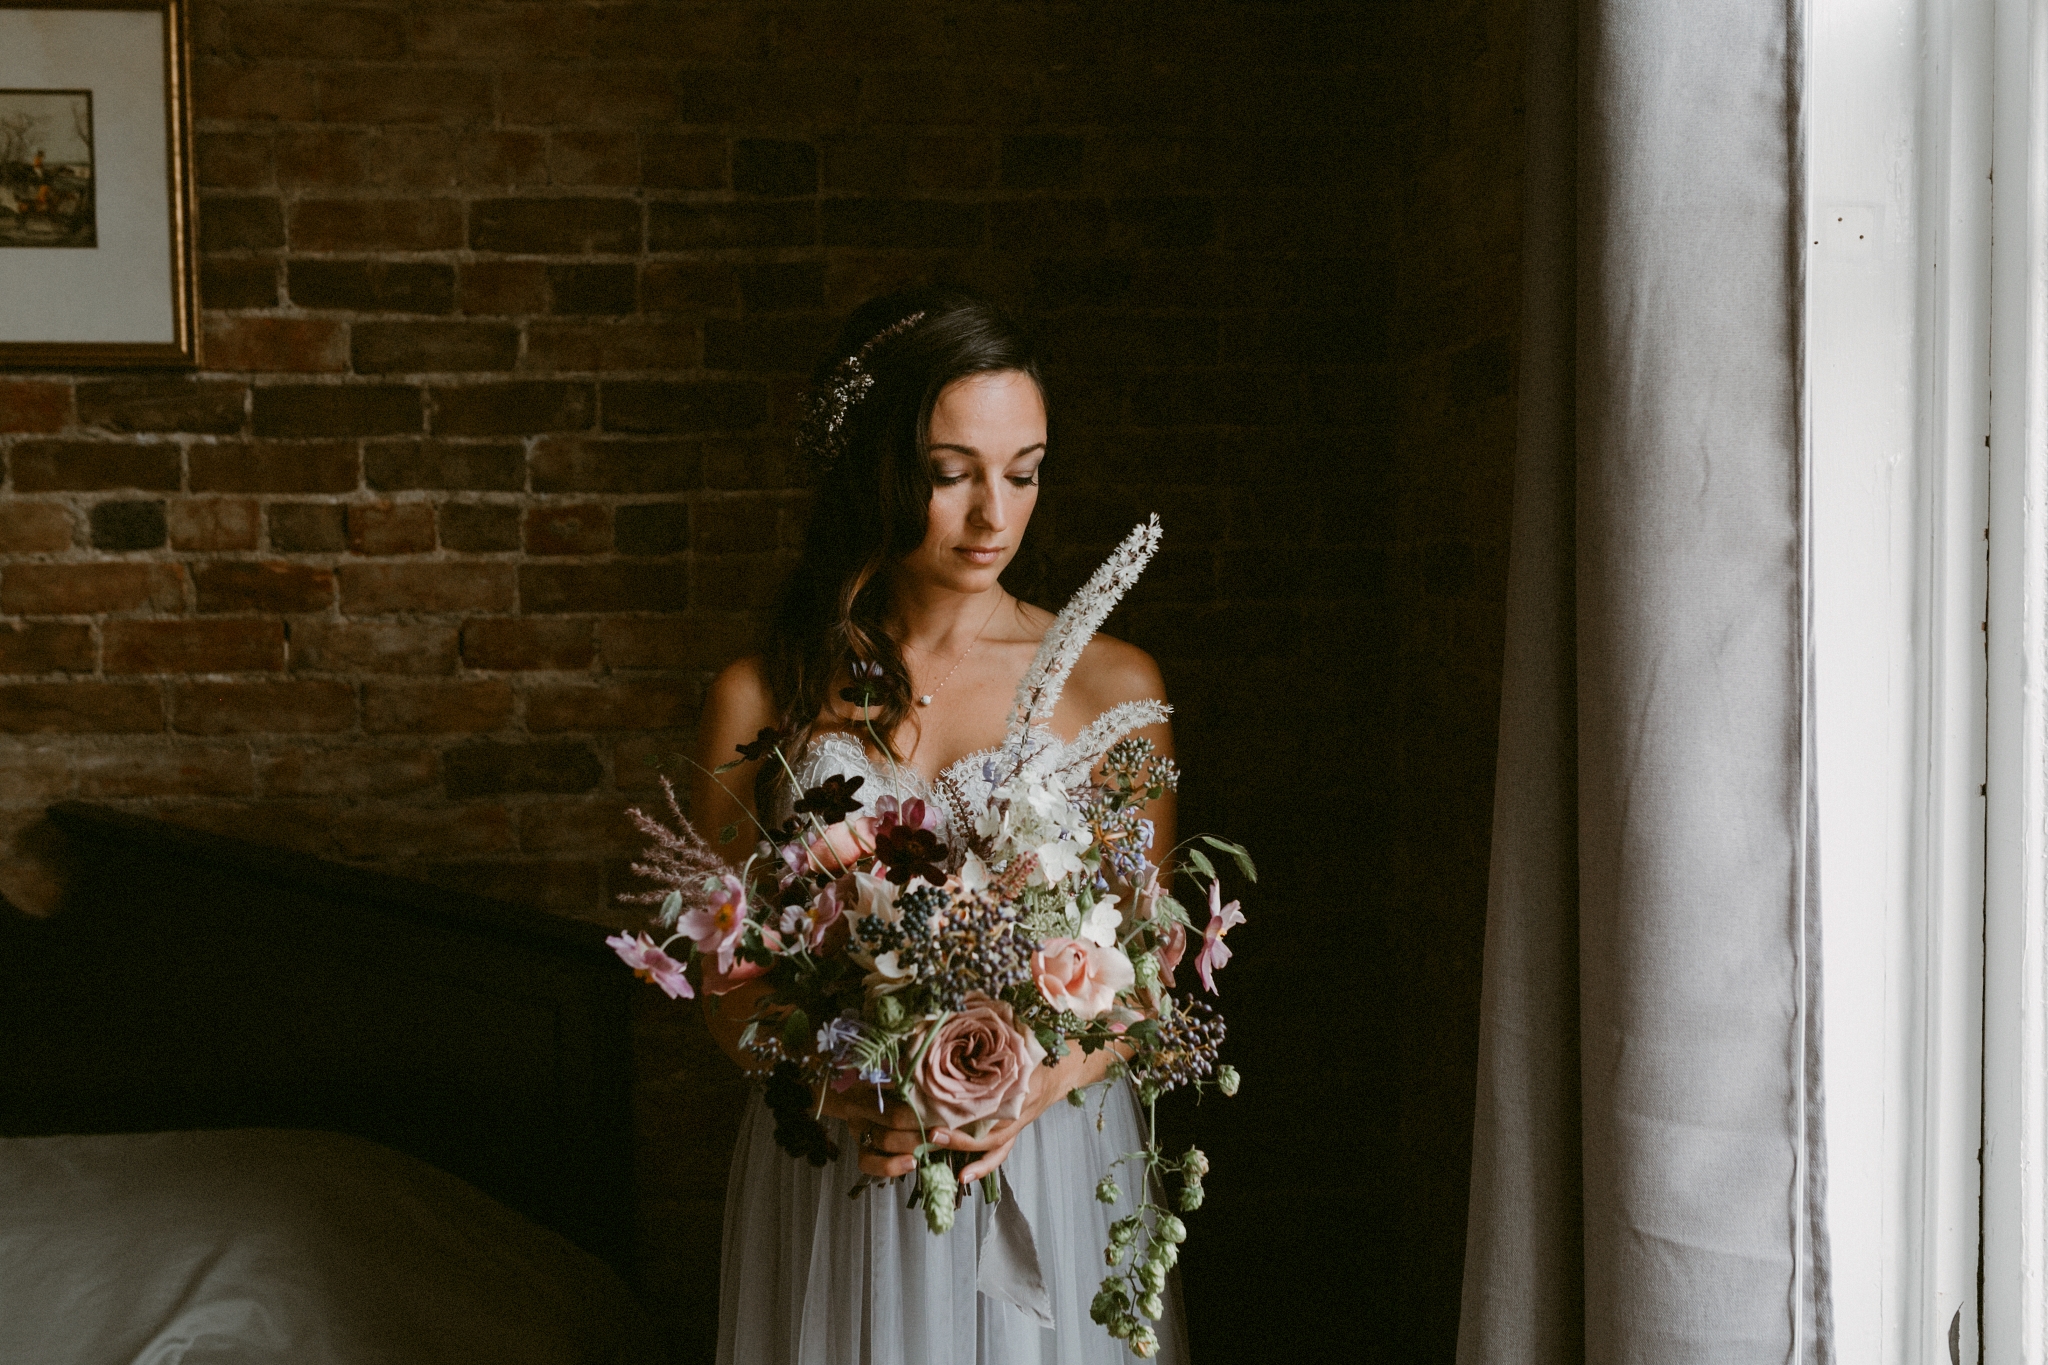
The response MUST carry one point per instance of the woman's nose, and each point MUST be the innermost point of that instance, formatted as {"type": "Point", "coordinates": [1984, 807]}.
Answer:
{"type": "Point", "coordinates": [987, 511]}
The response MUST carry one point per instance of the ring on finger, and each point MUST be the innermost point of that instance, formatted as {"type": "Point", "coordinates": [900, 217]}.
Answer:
{"type": "Point", "coordinates": [867, 1140]}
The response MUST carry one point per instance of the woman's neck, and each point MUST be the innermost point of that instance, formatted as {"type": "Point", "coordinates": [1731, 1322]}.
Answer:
{"type": "Point", "coordinates": [935, 620]}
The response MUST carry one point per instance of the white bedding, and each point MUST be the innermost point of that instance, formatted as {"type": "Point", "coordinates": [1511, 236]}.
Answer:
{"type": "Point", "coordinates": [256, 1246]}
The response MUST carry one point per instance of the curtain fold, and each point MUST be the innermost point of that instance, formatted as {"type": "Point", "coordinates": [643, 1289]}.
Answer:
{"type": "Point", "coordinates": [1641, 1178]}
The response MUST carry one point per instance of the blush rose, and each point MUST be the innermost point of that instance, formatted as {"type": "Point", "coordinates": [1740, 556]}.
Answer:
{"type": "Point", "coordinates": [978, 1067]}
{"type": "Point", "coordinates": [1077, 975]}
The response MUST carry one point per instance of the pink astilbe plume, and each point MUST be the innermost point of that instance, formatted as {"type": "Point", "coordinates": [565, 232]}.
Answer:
{"type": "Point", "coordinates": [676, 859]}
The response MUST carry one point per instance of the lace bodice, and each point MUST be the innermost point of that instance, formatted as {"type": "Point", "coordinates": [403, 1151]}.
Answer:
{"type": "Point", "coordinates": [955, 795]}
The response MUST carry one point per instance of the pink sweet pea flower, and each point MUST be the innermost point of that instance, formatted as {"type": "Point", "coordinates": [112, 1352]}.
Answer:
{"type": "Point", "coordinates": [838, 847]}
{"type": "Point", "coordinates": [652, 965]}
{"type": "Point", "coordinates": [716, 928]}
{"type": "Point", "coordinates": [1222, 918]}
{"type": "Point", "coordinates": [912, 814]}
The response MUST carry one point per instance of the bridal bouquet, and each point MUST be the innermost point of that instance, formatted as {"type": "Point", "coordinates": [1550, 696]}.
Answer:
{"type": "Point", "coordinates": [900, 967]}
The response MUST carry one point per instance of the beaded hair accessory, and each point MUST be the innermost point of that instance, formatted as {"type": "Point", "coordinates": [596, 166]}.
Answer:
{"type": "Point", "coordinates": [821, 430]}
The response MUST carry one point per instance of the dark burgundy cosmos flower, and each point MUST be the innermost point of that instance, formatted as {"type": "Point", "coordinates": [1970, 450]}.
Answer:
{"type": "Point", "coordinates": [833, 799]}
{"type": "Point", "coordinates": [908, 851]}
{"type": "Point", "coordinates": [763, 744]}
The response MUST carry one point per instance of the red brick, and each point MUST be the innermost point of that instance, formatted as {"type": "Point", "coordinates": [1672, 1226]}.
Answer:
{"type": "Point", "coordinates": [165, 770]}
{"type": "Point", "coordinates": [36, 774]}
{"type": "Point", "coordinates": [695, 643]}
{"type": "Point", "coordinates": [632, 769]}
{"type": "Point", "coordinates": [503, 288]}
{"type": "Point", "coordinates": [554, 227]}
{"type": "Point", "coordinates": [736, 525]}
{"type": "Point", "coordinates": [515, 409]}
{"type": "Point", "coordinates": [326, 158]}
{"type": "Point", "coordinates": [370, 588]}
{"type": "Point", "coordinates": [407, 95]}
{"type": "Point", "coordinates": [587, 827]}
{"type": "Point", "coordinates": [436, 708]}
{"type": "Point", "coordinates": [385, 832]}
{"type": "Point", "coordinates": [391, 528]}
{"type": "Point", "coordinates": [46, 647]}
{"type": "Point", "coordinates": [86, 589]}
{"type": "Point", "coordinates": [479, 527]}
{"type": "Point", "coordinates": [569, 465]}
{"type": "Point", "coordinates": [240, 223]}
{"type": "Point", "coordinates": [688, 286]}
{"type": "Point", "coordinates": [611, 95]}
{"type": "Point", "coordinates": [323, 646]}
{"type": "Point", "coordinates": [28, 405]}
{"type": "Point", "coordinates": [193, 646]}
{"type": "Point", "coordinates": [684, 163]}
{"type": "Point", "coordinates": [356, 772]}
{"type": "Point", "coordinates": [252, 92]}
{"type": "Point", "coordinates": [508, 159]}
{"type": "Point", "coordinates": [233, 161]}
{"type": "Point", "coordinates": [495, 466]}
{"type": "Point", "coordinates": [556, 347]}
{"type": "Point", "coordinates": [213, 523]}
{"type": "Point", "coordinates": [306, 345]}
{"type": "Point", "coordinates": [364, 225]}
{"type": "Point", "coordinates": [709, 227]}
{"type": "Point", "coordinates": [337, 410]}
{"type": "Point", "coordinates": [373, 286]}
{"type": "Point", "coordinates": [34, 527]}
{"type": "Point", "coordinates": [505, 35]}
{"type": "Point", "coordinates": [522, 643]}
{"type": "Point", "coordinates": [489, 769]}
{"type": "Point", "coordinates": [263, 708]}
{"type": "Point", "coordinates": [298, 33]}
{"type": "Point", "coordinates": [555, 588]}
{"type": "Point", "coordinates": [575, 529]}
{"type": "Point", "coordinates": [585, 157]}
{"type": "Point", "coordinates": [267, 585]}
{"type": "Point", "coordinates": [433, 347]}
{"type": "Point", "coordinates": [306, 527]}
{"type": "Point", "coordinates": [232, 283]}
{"type": "Point", "coordinates": [91, 466]}
{"type": "Point", "coordinates": [653, 704]}
{"type": "Point", "coordinates": [652, 528]}
{"type": "Point", "coordinates": [80, 708]}
{"type": "Point", "coordinates": [273, 467]}
{"type": "Point", "coordinates": [714, 405]}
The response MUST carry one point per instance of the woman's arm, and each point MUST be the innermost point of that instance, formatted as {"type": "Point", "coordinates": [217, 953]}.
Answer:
{"type": "Point", "coordinates": [736, 709]}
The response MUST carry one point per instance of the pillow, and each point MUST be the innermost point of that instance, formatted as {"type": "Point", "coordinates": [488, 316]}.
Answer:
{"type": "Point", "coordinates": [255, 1246]}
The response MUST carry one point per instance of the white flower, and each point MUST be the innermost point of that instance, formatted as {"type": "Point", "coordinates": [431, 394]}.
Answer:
{"type": "Point", "coordinates": [874, 896]}
{"type": "Point", "coordinates": [1102, 923]}
{"type": "Point", "coordinates": [973, 875]}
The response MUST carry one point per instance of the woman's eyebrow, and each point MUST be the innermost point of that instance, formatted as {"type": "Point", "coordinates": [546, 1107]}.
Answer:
{"type": "Point", "coordinates": [971, 453]}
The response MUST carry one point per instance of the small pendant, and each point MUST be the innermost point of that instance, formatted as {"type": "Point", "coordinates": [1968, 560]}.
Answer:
{"type": "Point", "coordinates": [925, 700]}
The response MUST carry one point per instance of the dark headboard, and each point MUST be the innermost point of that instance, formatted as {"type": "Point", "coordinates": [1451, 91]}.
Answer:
{"type": "Point", "coordinates": [195, 981]}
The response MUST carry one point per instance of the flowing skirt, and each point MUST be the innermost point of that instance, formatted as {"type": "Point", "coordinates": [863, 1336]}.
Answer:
{"type": "Point", "coordinates": [812, 1277]}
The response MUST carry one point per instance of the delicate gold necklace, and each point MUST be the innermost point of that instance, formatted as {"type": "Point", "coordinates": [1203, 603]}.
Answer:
{"type": "Point", "coordinates": [925, 699]}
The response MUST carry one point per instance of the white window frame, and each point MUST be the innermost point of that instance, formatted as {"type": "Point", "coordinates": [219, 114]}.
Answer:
{"type": "Point", "coordinates": [1899, 119]}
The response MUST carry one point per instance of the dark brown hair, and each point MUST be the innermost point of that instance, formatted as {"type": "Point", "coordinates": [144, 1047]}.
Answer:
{"type": "Point", "coordinates": [873, 503]}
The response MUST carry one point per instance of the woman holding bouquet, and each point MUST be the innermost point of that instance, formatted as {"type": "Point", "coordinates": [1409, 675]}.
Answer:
{"type": "Point", "coordinates": [894, 659]}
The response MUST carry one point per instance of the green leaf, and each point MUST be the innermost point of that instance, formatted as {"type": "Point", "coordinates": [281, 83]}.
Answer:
{"type": "Point", "coordinates": [796, 1032]}
{"type": "Point", "coordinates": [728, 834]}
{"type": "Point", "coordinates": [1236, 851]}
{"type": "Point", "coordinates": [728, 765]}
{"type": "Point", "coordinates": [1202, 863]}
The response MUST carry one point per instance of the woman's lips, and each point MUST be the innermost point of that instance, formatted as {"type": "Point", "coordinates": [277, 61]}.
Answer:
{"type": "Point", "coordinates": [979, 554]}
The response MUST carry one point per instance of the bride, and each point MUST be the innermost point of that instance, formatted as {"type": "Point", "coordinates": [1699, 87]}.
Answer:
{"type": "Point", "coordinates": [930, 421]}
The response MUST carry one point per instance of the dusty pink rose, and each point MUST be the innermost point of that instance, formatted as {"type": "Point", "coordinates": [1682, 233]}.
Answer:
{"type": "Point", "coordinates": [1074, 974]}
{"type": "Point", "coordinates": [840, 846]}
{"type": "Point", "coordinates": [977, 1068]}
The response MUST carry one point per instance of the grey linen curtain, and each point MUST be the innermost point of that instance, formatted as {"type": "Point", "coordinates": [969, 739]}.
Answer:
{"type": "Point", "coordinates": [1645, 1180]}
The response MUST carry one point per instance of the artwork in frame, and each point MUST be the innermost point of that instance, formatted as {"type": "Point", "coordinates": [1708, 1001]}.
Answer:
{"type": "Point", "coordinates": [96, 203]}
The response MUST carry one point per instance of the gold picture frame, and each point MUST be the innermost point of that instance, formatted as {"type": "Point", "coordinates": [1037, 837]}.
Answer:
{"type": "Point", "coordinates": [98, 215]}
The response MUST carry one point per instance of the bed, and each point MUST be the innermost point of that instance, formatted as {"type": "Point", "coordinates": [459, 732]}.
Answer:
{"type": "Point", "coordinates": [257, 1106]}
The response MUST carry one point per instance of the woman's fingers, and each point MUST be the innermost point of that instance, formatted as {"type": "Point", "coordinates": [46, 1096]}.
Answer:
{"type": "Point", "coordinates": [987, 1162]}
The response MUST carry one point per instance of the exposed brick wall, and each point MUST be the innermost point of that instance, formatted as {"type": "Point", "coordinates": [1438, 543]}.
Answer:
{"type": "Point", "coordinates": [505, 309]}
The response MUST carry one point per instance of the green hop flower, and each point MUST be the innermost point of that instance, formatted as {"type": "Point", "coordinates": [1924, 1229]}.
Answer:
{"type": "Point", "coordinates": [1112, 1255]}
{"type": "Point", "coordinates": [1144, 1342]}
{"type": "Point", "coordinates": [1148, 1095]}
{"type": "Point", "coordinates": [1124, 1231]}
{"type": "Point", "coordinates": [1106, 1191]}
{"type": "Point", "coordinates": [1076, 1098]}
{"type": "Point", "coordinates": [1152, 1277]}
{"type": "Point", "coordinates": [889, 1012]}
{"type": "Point", "coordinates": [1152, 1306]}
{"type": "Point", "coordinates": [1195, 1162]}
{"type": "Point", "coordinates": [1109, 1302]}
{"type": "Point", "coordinates": [1146, 967]}
{"type": "Point", "coordinates": [1122, 1325]}
{"type": "Point", "coordinates": [936, 1185]}
{"type": "Point", "coordinates": [1165, 1255]}
{"type": "Point", "coordinates": [1226, 1080]}
{"type": "Point", "coordinates": [1191, 1196]}
{"type": "Point", "coordinates": [1171, 1229]}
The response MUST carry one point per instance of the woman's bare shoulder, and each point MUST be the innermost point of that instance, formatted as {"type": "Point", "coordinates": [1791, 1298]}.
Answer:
{"type": "Point", "coordinates": [740, 695]}
{"type": "Point", "coordinates": [1111, 672]}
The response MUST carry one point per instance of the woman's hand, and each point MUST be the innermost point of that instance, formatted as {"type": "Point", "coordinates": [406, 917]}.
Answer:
{"type": "Point", "coordinates": [1050, 1085]}
{"type": "Point", "coordinates": [887, 1133]}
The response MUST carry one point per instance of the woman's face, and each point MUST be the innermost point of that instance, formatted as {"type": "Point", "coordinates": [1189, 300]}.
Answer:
{"type": "Point", "coordinates": [987, 440]}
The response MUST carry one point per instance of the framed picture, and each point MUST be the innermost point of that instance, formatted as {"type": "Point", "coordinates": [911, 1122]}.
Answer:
{"type": "Point", "coordinates": [97, 213]}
